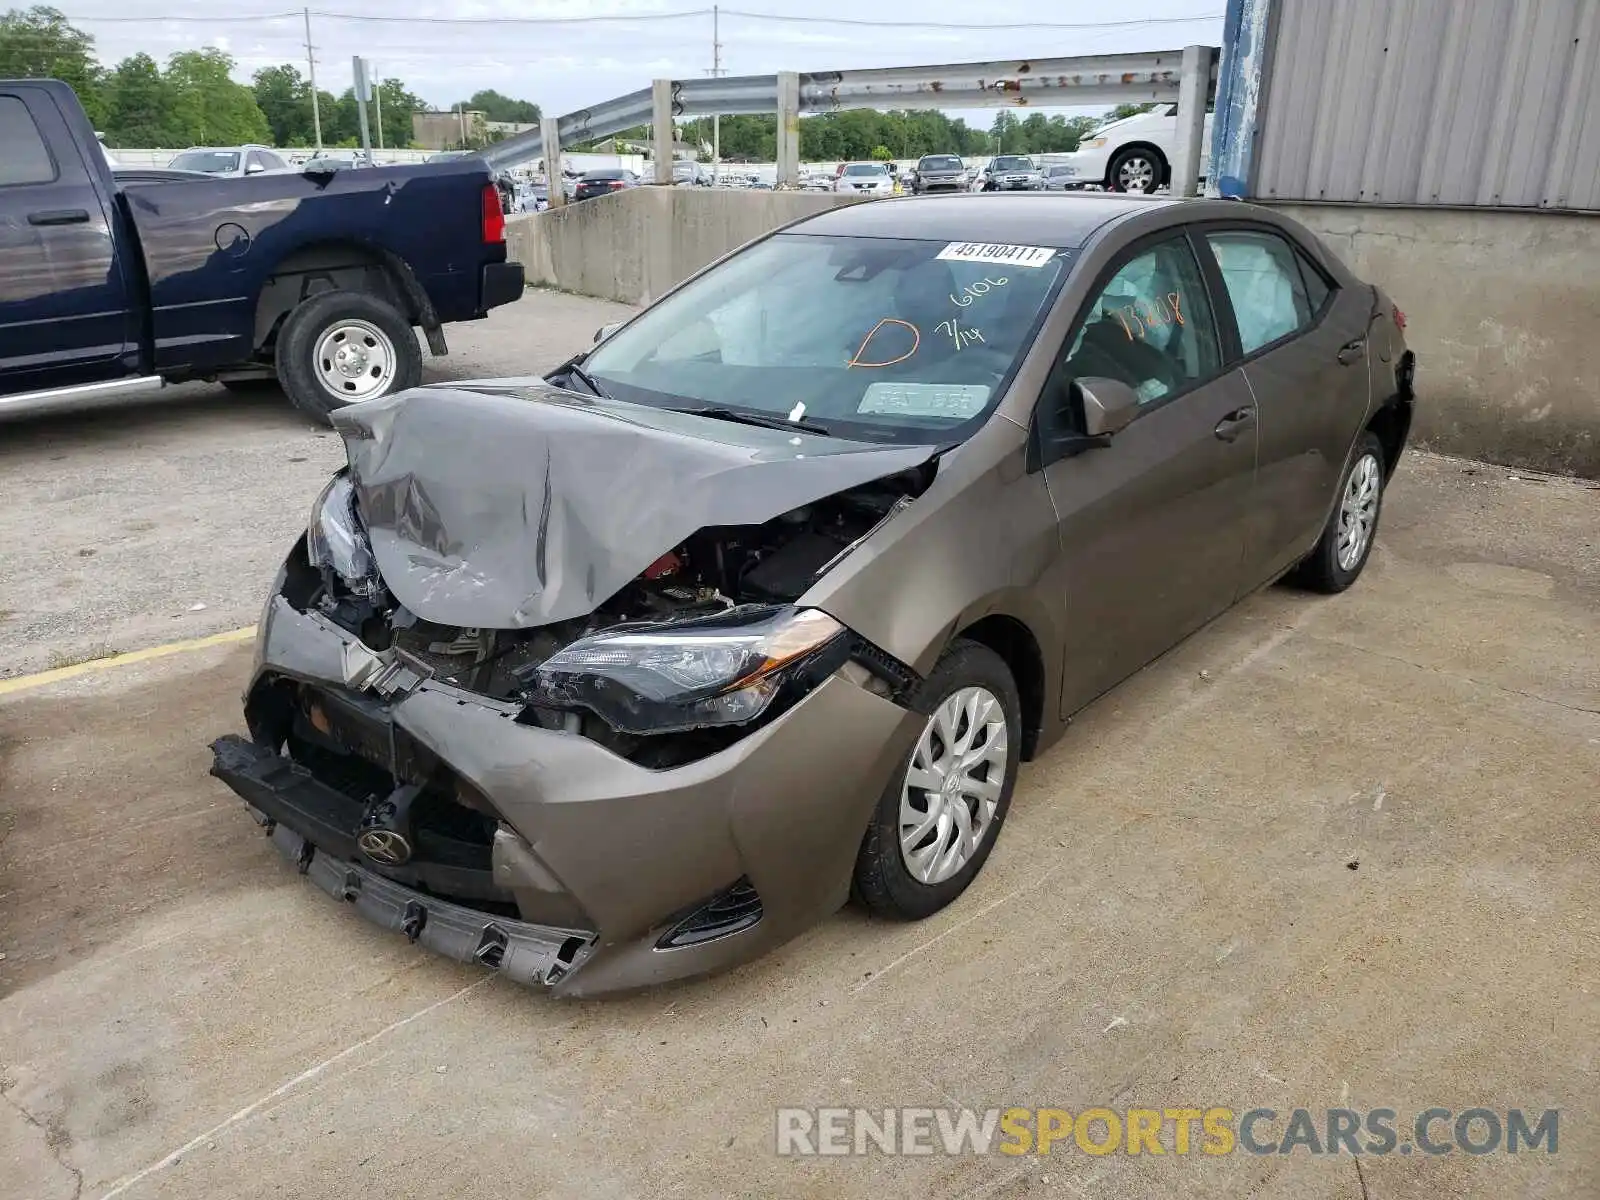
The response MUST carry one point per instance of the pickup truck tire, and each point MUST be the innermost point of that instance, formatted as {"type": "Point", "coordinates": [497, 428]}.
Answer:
{"type": "Point", "coordinates": [341, 347]}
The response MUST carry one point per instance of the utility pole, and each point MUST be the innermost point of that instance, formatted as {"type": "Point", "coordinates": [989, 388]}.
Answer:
{"type": "Point", "coordinates": [716, 73]}
{"type": "Point", "coordinates": [311, 64]}
{"type": "Point", "coordinates": [461, 111]}
{"type": "Point", "coordinates": [377, 102]}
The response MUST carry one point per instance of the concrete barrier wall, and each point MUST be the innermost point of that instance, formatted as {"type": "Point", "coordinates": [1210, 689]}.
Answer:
{"type": "Point", "coordinates": [634, 245]}
{"type": "Point", "coordinates": [1503, 308]}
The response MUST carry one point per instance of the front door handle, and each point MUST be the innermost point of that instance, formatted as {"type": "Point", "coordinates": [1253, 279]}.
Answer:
{"type": "Point", "coordinates": [1235, 423]}
{"type": "Point", "coordinates": [1350, 351]}
{"type": "Point", "coordinates": [59, 216]}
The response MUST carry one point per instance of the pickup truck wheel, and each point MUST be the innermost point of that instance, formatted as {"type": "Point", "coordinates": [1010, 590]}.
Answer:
{"type": "Point", "coordinates": [340, 348]}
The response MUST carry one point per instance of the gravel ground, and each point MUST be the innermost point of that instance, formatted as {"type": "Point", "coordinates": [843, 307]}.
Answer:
{"type": "Point", "coordinates": [158, 519]}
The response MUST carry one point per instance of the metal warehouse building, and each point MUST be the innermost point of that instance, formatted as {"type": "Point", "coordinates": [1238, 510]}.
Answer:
{"type": "Point", "coordinates": [1449, 149]}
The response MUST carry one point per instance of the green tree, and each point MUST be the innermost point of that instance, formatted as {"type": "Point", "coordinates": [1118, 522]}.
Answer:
{"type": "Point", "coordinates": [398, 105]}
{"type": "Point", "coordinates": [140, 106]}
{"type": "Point", "coordinates": [210, 108]}
{"type": "Point", "coordinates": [40, 43]}
{"type": "Point", "coordinates": [1125, 110]}
{"type": "Point", "coordinates": [284, 98]}
{"type": "Point", "coordinates": [496, 107]}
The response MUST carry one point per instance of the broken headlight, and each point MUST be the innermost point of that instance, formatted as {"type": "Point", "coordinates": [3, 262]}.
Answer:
{"type": "Point", "coordinates": [337, 540]}
{"type": "Point", "coordinates": [665, 678]}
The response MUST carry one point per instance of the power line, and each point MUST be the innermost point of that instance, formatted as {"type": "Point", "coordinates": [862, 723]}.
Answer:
{"type": "Point", "coordinates": [968, 27]}
{"type": "Point", "coordinates": [643, 18]}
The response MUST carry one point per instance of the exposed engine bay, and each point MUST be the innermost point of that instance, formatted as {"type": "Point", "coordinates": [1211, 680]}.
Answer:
{"type": "Point", "coordinates": [716, 571]}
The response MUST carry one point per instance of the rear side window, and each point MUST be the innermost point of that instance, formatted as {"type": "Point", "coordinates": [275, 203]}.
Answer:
{"type": "Point", "coordinates": [1263, 276]}
{"type": "Point", "coordinates": [23, 155]}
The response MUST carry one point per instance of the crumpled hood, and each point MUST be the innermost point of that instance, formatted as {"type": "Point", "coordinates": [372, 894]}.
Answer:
{"type": "Point", "coordinates": [514, 503]}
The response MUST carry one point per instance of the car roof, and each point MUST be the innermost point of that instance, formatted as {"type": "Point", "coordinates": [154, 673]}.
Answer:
{"type": "Point", "coordinates": [1043, 219]}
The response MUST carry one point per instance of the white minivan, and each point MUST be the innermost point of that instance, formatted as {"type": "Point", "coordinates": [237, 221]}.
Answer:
{"type": "Point", "coordinates": [1131, 155]}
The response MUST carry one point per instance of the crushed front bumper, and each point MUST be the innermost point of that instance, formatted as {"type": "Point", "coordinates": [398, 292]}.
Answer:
{"type": "Point", "coordinates": [597, 863]}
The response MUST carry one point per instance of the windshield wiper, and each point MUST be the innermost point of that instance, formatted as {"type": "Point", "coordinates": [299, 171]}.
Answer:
{"type": "Point", "coordinates": [745, 417]}
{"type": "Point", "coordinates": [571, 367]}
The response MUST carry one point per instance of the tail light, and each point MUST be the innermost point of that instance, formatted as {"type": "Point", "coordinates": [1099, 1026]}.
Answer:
{"type": "Point", "coordinates": [494, 216]}
{"type": "Point", "coordinates": [616, 185]}
{"type": "Point", "coordinates": [1399, 319]}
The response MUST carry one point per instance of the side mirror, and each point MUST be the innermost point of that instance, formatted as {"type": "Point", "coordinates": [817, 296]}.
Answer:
{"type": "Point", "coordinates": [254, 169]}
{"type": "Point", "coordinates": [606, 331]}
{"type": "Point", "coordinates": [1108, 405]}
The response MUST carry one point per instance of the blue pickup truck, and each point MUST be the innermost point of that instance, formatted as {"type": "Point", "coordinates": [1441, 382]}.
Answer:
{"type": "Point", "coordinates": [316, 281]}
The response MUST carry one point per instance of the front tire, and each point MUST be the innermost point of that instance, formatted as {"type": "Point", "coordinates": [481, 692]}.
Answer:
{"type": "Point", "coordinates": [340, 348]}
{"type": "Point", "coordinates": [940, 816]}
{"type": "Point", "coordinates": [1346, 542]}
{"type": "Point", "coordinates": [1136, 169]}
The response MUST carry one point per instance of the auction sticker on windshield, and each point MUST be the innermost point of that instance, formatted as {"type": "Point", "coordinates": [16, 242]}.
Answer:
{"type": "Point", "coordinates": [990, 252]}
{"type": "Point", "coordinates": [955, 401]}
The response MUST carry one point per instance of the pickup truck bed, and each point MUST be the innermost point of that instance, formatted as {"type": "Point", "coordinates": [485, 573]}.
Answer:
{"type": "Point", "coordinates": [316, 280]}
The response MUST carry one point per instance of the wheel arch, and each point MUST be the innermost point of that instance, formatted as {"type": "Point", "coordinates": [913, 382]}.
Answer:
{"type": "Point", "coordinates": [1015, 643]}
{"type": "Point", "coordinates": [342, 265]}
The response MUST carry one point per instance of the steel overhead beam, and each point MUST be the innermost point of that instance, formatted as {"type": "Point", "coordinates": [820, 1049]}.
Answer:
{"type": "Point", "coordinates": [1012, 83]}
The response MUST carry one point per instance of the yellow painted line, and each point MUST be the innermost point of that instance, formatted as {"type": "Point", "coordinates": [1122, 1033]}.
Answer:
{"type": "Point", "coordinates": [25, 683]}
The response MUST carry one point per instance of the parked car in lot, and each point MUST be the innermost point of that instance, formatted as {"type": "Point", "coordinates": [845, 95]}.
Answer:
{"type": "Point", "coordinates": [313, 280]}
{"type": "Point", "coordinates": [604, 181]}
{"type": "Point", "coordinates": [1010, 173]}
{"type": "Point", "coordinates": [636, 671]}
{"type": "Point", "coordinates": [1134, 154]}
{"type": "Point", "coordinates": [1059, 177]}
{"type": "Point", "coordinates": [230, 163]}
{"type": "Point", "coordinates": [867, 178]}
{"type": "Point", "coordinates": [938, 173]}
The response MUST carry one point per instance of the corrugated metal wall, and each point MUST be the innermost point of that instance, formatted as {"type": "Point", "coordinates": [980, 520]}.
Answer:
{"type": "Point", "coordinates": [1491, 103]}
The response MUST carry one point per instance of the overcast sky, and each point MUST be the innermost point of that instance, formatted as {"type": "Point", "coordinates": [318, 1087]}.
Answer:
{"type": "Point", "coordinates": [565, 67]}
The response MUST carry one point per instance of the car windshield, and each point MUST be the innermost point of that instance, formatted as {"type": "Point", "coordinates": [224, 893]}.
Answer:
{"type": "Point", "coordinates": [865, 169]}
{"type": "Point", "coordinates": [212, 162]}
{"type": "Point", "coordinates": [941, 162]}
{"type": "Point", "coordinates": [1011, 163]}
{"type": "Point", "coordinates": [882, 339]}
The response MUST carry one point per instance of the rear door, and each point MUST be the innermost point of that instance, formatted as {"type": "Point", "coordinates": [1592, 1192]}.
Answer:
{"type": "Point", "coordinates": [1301, 342]}
{"type": "Point", "coordinates": [65, 314]}
{"type": "Point", "coordinates": [1152, 524]}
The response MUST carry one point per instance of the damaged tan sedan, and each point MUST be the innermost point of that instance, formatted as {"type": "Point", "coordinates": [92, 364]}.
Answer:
{"type": "Point", "coordinates": [634, 672]}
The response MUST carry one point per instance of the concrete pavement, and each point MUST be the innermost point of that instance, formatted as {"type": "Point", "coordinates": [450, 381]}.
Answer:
{"type": "Point", "coordinates": [1329, 851]}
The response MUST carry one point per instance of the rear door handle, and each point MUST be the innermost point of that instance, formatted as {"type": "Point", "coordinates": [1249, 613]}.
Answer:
{"type": "Point", "coordinates": [1350, 351]}
{"type": "Point", "coordinates": [59, 216]}
{"type": "Point", "coordinates": [1235, 423]}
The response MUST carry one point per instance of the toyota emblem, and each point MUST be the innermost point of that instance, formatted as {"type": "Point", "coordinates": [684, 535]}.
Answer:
{"type": "Point", "coordinates": [385, 846]}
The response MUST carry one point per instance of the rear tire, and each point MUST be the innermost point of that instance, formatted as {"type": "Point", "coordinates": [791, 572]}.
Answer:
{"type": "Point", "coordinates": [1346, 542]}
{"type": "Point", "coordinates": [340, 347]}
{"type": "Point", "coordinates": [979, 756]}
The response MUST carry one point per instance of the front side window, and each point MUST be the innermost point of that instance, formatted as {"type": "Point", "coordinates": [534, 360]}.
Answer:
{"type": "Point", "coordinates": [24, 157]}
{"type": "Point", "coordinates": [1150, 326]}
{"type": "Point", "coordinates": [1262, 275]}
{"type": "Point", "coordinates": [885, 339]}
